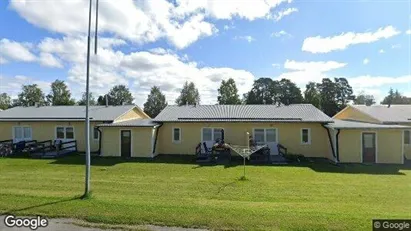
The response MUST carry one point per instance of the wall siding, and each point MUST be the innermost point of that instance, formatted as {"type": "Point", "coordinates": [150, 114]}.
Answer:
{"type": "Point", "coordinates": [47, 131]}
{"type": "Point", "coordinates": [354, 114]}
{"type": "Point", "coordinates": [141, 141]}
{"type": "Point", "coordinates": [132, 114]}
{"type": "Point", "coordinates": [289, 135]}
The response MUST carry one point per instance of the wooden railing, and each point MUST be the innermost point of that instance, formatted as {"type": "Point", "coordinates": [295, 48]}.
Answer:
{"type": "Point", "coordinates": [282, 150]}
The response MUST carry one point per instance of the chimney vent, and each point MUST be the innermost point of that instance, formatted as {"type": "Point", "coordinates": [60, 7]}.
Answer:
{"type": "Point", "coordinates": [106, 100]}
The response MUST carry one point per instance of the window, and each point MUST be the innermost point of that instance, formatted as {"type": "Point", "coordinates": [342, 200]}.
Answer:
{"type": "Point", "coordinates": [176, 135]}
{"type": "Point", "coordinates": [96, 133]}
{"type": "Point", "coordinates": [265, 135]}
{"type": "Point", "coordinates": [407, 137]}
{"type": "Point", "coordinates": [22, 133]}
{"type": "Point", "coordinates": [305, 136]}
{"type": "Point", "coordinates": [212, 134]}
{"type": "Point", "coordinates": [65, 133]}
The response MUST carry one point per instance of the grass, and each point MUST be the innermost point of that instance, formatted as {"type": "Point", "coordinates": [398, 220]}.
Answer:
{"type": "Point", "coordinates": [177, 192]}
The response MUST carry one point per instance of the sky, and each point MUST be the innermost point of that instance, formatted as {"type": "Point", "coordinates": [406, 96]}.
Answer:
{"type": "Point", "coordinates": [143, 43]}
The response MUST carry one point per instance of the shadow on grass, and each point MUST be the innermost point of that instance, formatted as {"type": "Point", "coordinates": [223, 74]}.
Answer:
{"type": "Point", "coordinates": [317, 165]}
{"type": "Point", "coordinates": [13, 211]}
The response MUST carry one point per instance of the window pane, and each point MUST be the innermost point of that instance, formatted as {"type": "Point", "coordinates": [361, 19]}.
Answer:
{"type": "Point", "coordinates": [368, 141]}
{"type": "Point", "coordinates": [407, 137]}
{"type": "Point", "coordinates": [69, 133]}
{"type": "Point", "coordinates": [60, 133]}
{"type": "Point", "coordinates": [176, 134]}
{"type": "Point", "coordinates": [207, 134]}
{"type": "Point", "coordinates": [18, 133]}
{"type": "Point", "coordinates": [271, 135]}
{"type": "Point", "coordinates": [305, 136]}
{"type": "Point", "coordinates": [27, 133]}
{"type": "Point", "coordinates": [259, 135]}
{"type": "Point", "coordinates": [95, 134]}
{"type": "Point", "coordinates": [217, 133]}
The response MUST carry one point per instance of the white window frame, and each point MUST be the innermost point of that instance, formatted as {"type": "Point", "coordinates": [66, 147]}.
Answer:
{"type": "Point", "coordinates": [212, 133]}
{"type": "Point", "coordinates": [265, 134]}
{"type": "Point", "coordinates": [98, 133]}
{"type": "Point", "coordinates": [65, 132]}
{"type": "Point", "coordinates": [172, 135]}
{"type": "Point", "coordinates": [22, 127]}
{"type": "Point", "coordinates": [403, 139]}
{"type": "Point", "coordinates": [309, 136]}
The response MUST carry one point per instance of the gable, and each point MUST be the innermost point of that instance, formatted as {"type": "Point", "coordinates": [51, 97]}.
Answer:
{"type": "Point", "coordinates": [350, 113]}
{"type": "Point", "coordinates": [134, 113]}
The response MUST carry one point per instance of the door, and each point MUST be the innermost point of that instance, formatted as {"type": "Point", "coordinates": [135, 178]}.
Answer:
{"type": "Point", "coordinates": [271, 140]}
{"type": "Point", "coordinates": [368, 147]}
{"type": "Point", "coordinates": [125, 139]}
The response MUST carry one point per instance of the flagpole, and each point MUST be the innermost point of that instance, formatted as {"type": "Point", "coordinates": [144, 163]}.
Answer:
{"type": "Point", "coordinates": [87, 180]}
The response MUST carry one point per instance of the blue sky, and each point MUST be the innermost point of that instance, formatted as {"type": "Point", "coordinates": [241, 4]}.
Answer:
{"type": "Point", "coordinates": [146, 43]}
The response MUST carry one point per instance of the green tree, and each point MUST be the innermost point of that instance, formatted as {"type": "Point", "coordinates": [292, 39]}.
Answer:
{"type": "Point", "coordinates": [91, 99]}
{"type": "Point", "coordinates": [344, 92]}
{"type": "Point", "coordinates": [364, 99]}
{"type": "Point", "coordinates": [30, 95]}
{"type": "Point", "coordinates": [312, 94]}
{"type": "Point", "coordinates": [156, 102]}
{"type": "Point", "coordinates": [395, 97]}
{"type": "Point", "coordinates": [288, 92]}
{"type": "Point", "coordinates": [189, 95]}
{"type": "Point", "coordinates": [5, 101]}
{"type": "Point", "coordinates": [59, 94]}
{"type": "Point", "coordinates": [262, 92]}
{"type": "Point", "coordinates": [119, 95]}
{"type": "Point", "coordinates": [328, 93]}
{"type": "Point", "coordinates": [228, 93]}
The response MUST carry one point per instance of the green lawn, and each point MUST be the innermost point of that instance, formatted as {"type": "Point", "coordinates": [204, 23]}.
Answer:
{"type": "Point", "coordinates": [177, 192]}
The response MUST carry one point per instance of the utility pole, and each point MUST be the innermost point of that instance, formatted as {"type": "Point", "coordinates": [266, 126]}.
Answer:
{"type": "Point", "coordinates": [87, 179]}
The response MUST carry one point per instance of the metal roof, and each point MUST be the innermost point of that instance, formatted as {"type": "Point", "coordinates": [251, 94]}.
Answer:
{"type": "Point", "coordinates": [392, 114]}
{"type": "Point", "coordinates": [361, 125]}
{"type": "Point", "coordinates": [243, 113]}
{"type": "Point", "coordinates": [132, 123]}
{"type": "Point", "coordinates": [63, 113]}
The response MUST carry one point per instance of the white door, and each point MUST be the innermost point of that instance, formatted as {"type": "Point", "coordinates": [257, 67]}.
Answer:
{"type": "Point", "coordinates": [21, 134]}
{"type": "Point", "coordinates": [207, 138]}
{"type": "Point", "coordinates": [271, 140]}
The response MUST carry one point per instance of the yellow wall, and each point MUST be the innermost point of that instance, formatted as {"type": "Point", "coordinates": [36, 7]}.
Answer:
{"type": "Point", "coordinates": [407, 148]}
{"type": "Point", "coordinates": [289, 135]}
{"type": "Point", "coordinates": [141, 141]}
{"type": "Point", "coordinates": [132, 114]}
{"type": "Point", "coordinates": [389, 145]}
{"type": "Point", "coordinates": [351, 113]}
{"type": "Point", "coordinates": [47, 131]}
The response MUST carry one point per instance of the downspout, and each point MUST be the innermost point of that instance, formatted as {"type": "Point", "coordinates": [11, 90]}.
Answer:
{"type": "Point", "coordinates": [330, 140]}
{"type": "Point", "coordinates": [99, 140]}
{"type": "Point", "coordinates": [155, 140]}
{"type": "Point", "coordinates": [337, 145]}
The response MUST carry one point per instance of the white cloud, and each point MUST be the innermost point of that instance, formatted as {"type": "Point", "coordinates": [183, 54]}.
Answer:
{"type": "Point", "coordinates": [281, 14]}
{"type": "Point", "coordinates": [365, 61]}
{"type": "Point", "coordinates": [16, 51]}
{"type": "Point", "coordinates": [12, 85]}
{"type": "Point", "coordinates": [381, 51]}
{"type": "Point", "coordinates": [281, 33]}
{"type": "Point", "coordinates": [396, 46]}
{"type": "Point", "coordinates": [181, 24]}
{"type": "Point", "coordinates": [276, 65]}
{"type": "Point", "coordinates": [248, 38]}
{"type": "Point", "coordinates": [368, 81]}
{"type": "Point", "coordinates": [408, 32]}
{"type": "Point", "coordinates": [320, 44]}
{"type": "Point", "coordinates": [48, 60]}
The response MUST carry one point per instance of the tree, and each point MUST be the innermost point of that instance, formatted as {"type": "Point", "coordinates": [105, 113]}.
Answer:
{"type": "Point", "coordinates": [312, 94]}
{"type": "Point", "coordinates": [228, 93]}
{"type": "Point", "coordinates": [156, 102]}
{"type": "Point", "coordinates": [262, 92]}
{"type": "Point", "coordinates": [288, 92]}
{"type": "Point", "coordinates": [91, 99]}
{"type": "Point", "coordinates": [119, 95]}
{"type": "Point", "coordinates": [344, 92]}
{"type": "Point", "coordinates": [363, 99]}
{"type": "Point", "coordinates": [189, 95]}
{"type": "Point", "coordinates": [59, 94]}
{"type": "Point", "coordinates": [328, 93]}
{"type": "Point", "coordinates": [395, 97]}
{"type": "Point", "coordinates": [5, 101]}
{"type": "Point", "coordinates": [30, 95]}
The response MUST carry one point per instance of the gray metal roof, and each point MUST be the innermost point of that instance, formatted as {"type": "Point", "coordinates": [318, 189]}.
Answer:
{"type": "Point", "coordinates": [132, 123]}
{"type": "Point", "coordinates": [63, 113]}
{"type": "Point", "coordinates": [392, 114]}
{"type": "Point", "coordinates": [242, 113]}
{"type": "Point", "coordinates": [360, 125]}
